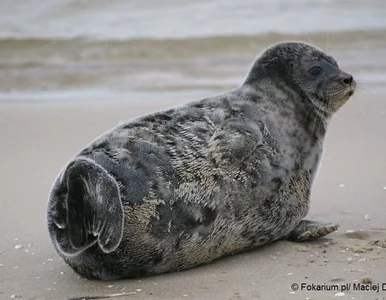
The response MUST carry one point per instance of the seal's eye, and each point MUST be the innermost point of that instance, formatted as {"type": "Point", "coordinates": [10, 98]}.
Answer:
{"type": "Point", "coordinates": [315, 71]}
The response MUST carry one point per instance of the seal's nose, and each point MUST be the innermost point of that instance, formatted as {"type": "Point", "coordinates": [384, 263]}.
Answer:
{"type": "Point", "coordinates": [346, 79]}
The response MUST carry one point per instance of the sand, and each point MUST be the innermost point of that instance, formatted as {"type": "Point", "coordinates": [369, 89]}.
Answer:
{"type": "Point", "coordinates": [37, 140]}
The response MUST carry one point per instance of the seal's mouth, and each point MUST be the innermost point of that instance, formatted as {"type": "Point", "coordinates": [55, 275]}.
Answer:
{"type": "Point", "coordinates": [337, 87]}
{"type": "Point", "coordinates": [351, 89]}
{"type": "Point", "coordinates": [350, 92]}
{"type": "Point", "coordinates": [338, 96]}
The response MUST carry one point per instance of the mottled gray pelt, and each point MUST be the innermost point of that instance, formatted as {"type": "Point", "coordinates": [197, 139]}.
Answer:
{"type": "Point", "coordinates": [182, 187]}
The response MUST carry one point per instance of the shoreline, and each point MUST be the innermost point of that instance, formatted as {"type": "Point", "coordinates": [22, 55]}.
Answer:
{"type": "Point", "coordinates": [82, 70]}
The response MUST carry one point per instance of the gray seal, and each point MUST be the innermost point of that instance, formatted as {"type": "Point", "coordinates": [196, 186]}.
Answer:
{"type": "Point", "coordinates": [185, 186]}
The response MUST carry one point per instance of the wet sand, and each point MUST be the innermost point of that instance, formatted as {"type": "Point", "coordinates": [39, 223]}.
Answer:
{"type": "Point", "coordinates": [37, 140]}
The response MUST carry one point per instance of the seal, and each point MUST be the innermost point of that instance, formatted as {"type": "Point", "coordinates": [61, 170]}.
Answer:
{"type": "Point", "coordinates": [185, 186]}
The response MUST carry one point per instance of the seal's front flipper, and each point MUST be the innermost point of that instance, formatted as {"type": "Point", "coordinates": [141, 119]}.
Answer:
{"type": "Point", "coordinates": [93, 212]}
{"type": "Point", "coordinates": [310, 230]}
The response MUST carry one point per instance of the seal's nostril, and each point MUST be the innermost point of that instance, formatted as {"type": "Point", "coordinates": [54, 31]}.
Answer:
{"type": "Point", "coordinates": [347, 79]}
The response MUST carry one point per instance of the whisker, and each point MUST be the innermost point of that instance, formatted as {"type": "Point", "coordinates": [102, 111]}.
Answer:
{"type": "Point", "coordinates": [309, 111]}
{"type": "Point", "coordinates": [360, 91]}
{"type": "Point", "coordinates": [313, 127]}
{"type": "Point", "coordinates": [365, 120]}
{"type": "Point", "coordinates": [328, 42]}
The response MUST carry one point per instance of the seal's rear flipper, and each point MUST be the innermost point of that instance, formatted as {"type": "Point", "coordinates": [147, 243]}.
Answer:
{"type": "Point", "coordinates": [87, 209]}
{"type": "Point", "coordinates": [310, 230]}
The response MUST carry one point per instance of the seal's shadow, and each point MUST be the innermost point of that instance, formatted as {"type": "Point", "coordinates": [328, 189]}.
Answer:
{"type": "Point", "coordinates": [270, 253]}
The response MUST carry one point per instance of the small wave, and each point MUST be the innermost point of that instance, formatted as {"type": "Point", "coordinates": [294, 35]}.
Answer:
{"type": "Point", "coordinates": [30, 53]}
{"type": "Point", "coordinates": [46, 66]}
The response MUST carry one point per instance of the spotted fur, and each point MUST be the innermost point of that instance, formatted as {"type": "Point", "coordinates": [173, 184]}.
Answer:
{"type": "Point", "coordinates": [205, 180]}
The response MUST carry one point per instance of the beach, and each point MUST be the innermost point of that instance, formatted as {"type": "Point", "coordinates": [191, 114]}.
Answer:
{"type": "Point", "coordinates": [63, 85]}
{"type": "Point", "coordinates": [37, 140]}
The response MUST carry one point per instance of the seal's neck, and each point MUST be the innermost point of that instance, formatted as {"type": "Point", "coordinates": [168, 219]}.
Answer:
{"type": "Point", "coordinates": [287, 97]}
{"type": "Point", "coordinates": [320, 112]}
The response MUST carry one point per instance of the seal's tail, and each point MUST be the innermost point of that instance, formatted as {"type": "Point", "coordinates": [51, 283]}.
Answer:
{"type": "Point", "coordinates": [85, 208]}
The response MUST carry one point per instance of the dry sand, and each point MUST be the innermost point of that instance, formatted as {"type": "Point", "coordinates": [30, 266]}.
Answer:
{"type": "Point", "coordinates": [37, 140]}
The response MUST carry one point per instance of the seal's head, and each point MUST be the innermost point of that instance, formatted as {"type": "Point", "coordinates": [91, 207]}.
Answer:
{"type": "Point", "coordinates": [307, 70]}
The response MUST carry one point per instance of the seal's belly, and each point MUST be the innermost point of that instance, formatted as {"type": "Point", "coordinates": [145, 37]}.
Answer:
{"type": "Point", "coordinates": [190, 234]}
